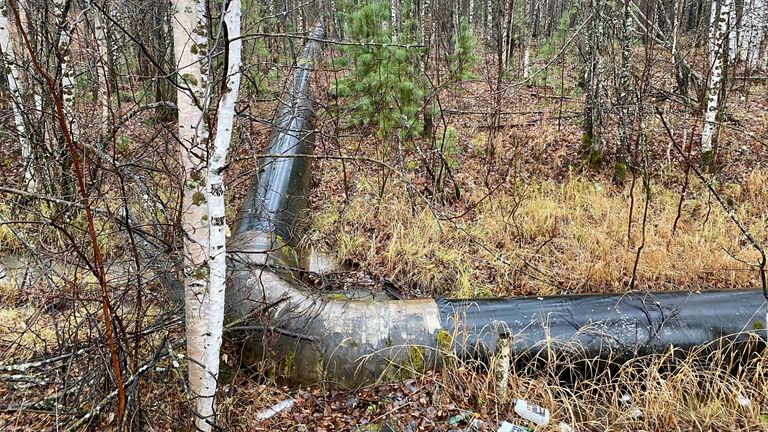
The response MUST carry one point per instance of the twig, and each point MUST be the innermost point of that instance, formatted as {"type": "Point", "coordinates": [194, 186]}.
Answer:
{"type": "Point", "coordinates": [97, 256]}
{"type": "Point", "coordinates": [724, 205]}
{"type": "Point", "coordinates": [128, 381]}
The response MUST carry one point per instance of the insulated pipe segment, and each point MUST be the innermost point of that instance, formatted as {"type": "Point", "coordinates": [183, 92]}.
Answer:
{"type": "Point", "coordinates": [320, 338]}
{"type": "Point", "coordinates": [277, 198]}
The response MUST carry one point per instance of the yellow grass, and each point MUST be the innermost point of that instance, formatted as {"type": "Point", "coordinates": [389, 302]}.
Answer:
{"type": "Point", "coordinates": [572, 235]}
{"type": "Point", "coordinates": [24, 332]}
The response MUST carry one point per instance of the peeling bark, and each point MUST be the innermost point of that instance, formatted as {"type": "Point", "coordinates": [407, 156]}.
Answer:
{"type": "Point", "coordinates": [213, 304]}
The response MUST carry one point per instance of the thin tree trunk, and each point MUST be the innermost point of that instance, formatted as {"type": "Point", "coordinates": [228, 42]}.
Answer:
{"type": "Point", "coordinates": [393, 16]}
{"type": "Point", "coordinates": [67, 74]}
{"type": "Point", "coordinates": [189, 35]}
{"type": "Point", "coordinates": [102, 68]}
{"type": "Point", "coordinates": [12, 75]}
{"type": "Point", "coordinates": [218, 231]}
{"type": "Point", "coordinates": [593, 140]}
{"type": "Point", "coordinates": [752, 28]}
{"type": "Point", "coordinates": [717, 41]}
{"type": "Point", "coordinates": [624, 90]}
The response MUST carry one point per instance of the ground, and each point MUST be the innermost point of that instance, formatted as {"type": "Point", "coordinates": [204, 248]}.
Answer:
{"type": "Point", "coordinates": [527, 218]}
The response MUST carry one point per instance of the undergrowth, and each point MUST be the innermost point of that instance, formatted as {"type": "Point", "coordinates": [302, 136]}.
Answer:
{"type": "Point", "coordinates": [573, 236]}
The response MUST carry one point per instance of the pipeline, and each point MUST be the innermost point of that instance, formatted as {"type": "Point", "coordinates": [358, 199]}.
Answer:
{"type": "Point", "coordinates": [319, 338]}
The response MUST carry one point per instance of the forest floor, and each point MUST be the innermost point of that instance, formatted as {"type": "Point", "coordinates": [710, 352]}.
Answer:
{"type": "Point", "coordinates": [518, 214]}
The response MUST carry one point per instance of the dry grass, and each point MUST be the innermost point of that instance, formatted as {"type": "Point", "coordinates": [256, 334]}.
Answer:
{"type": "Point", "coordinates": [572, 235]}
{"type": "Point", "coordinates": [700, 391]}
{"type": "Point", "coordinates": [25, 332]}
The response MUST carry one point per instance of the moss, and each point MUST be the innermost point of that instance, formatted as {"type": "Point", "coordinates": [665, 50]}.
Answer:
{"type": "Point", "coordinates": [444, 340]}
{"type": "Point", "coordinates": [336, 296]}
{"type": "Point", "coordinates": [619, 173]}
{"type": "Point", "coordinates": [757, 325]}
{"type": "Point", "coordinates": [197, 175]}
{"type": "Point", "coordinates": [290, 361]}
{"type": "Point", "coordinates": [418, 357]}
{"type": "Point", "coordinates": [189, 79]}
{"type": "Point", "coordinates": [708, 159]}
{"type": "Point", "coordinates": [586, 142]}
{"type": "Point", "coordinates": [200, 273]}
{"type": "Point", "coordinates": [590, 156]}
{"type": "Point", "coordinates": [198, 198]}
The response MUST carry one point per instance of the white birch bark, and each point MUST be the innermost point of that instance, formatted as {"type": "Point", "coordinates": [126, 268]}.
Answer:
{"type": "Point", "coordinates": [393, 19]}
{"type": "Point", "coordinates": [733, 33]}
{"type": "Point", "coordinates": [101, 69]}
{"type": "Point", "coordinates": [752, 32]}
{"type": "Point", "coordinates": [527, 59]}
{"type": "Point", "coordinates": [507, 29]}
{"type": "Point", "coordinates": [426, 22]}
{"type": "Point", "coordinates": [12, 74]}
{"type": "Point", "coordinates": [485, 30]}
{"type": "Point", "coordinates": [717, 34]}
{"type": "Point", "coordinates": [67, 74]}
{"type": "Point", "coordinates": [218, 230]}
{"type": "Point", "coordinates": [189, 37]}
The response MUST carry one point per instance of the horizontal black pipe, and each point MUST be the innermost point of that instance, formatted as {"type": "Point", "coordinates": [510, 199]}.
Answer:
{"type": "Point", "coordinates": [600, 325]}
{"type": "Point", "coordinates": [322, 338]}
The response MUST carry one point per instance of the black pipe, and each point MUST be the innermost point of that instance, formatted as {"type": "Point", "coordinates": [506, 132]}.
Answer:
{"type": "Point", "coordinates": [601, 326]}
{"type": "Point", "coordinates": [322, 338]}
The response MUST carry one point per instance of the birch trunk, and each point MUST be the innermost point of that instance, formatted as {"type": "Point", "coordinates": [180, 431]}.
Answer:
{"type": "Point", "coordinates": [752, 32]}
{"type": "Point", "coordinates": [593, 141]}
{"type": "Point", "coordinates": [527, 60]}
{"type": "Point", "coordinates": [189, 37]}
{"type": "Point", "coordinates": [102, 68]}
{"type": "Point", "coordinates": [717, 40]}
{"type": "Point", "coordinates": [67, 74]}
{"type": "Point", "coordinates": [218, 231]}
{"type": "Point", "coordinates": [393, 19]}
{"type": "Point", "coordinates": [426, 24]}
{"type": "Point", "coordinates": [12, 74]}
{"type": "Point", "coordinates": [624, 91]}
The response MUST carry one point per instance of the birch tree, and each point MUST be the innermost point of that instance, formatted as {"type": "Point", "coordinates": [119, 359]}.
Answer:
{"type": "Point", "coordinates": [593, 139]}
{"type": "Point", "coordinates": [752, 32]}
{"type": "Point", "coordinates": [12, 75]}
{"type": "Point", "coordinates": [624, 92]}
{"type": "Point", "coordinates": [204, 225]}
{"type": "Point", "coordinates": [100, 36]}
{"type": "Point", "coordinates": [218, 231]}
{"type": "Point", "coordinates": [189, 35]}
{"type": "Point", "coordinates": [718, 30]}
{"type": "Point", "coordinates": [60, 9]}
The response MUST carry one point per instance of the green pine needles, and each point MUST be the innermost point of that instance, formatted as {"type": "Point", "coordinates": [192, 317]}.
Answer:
{"type": "Point", "coordinates": [385, 83]}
